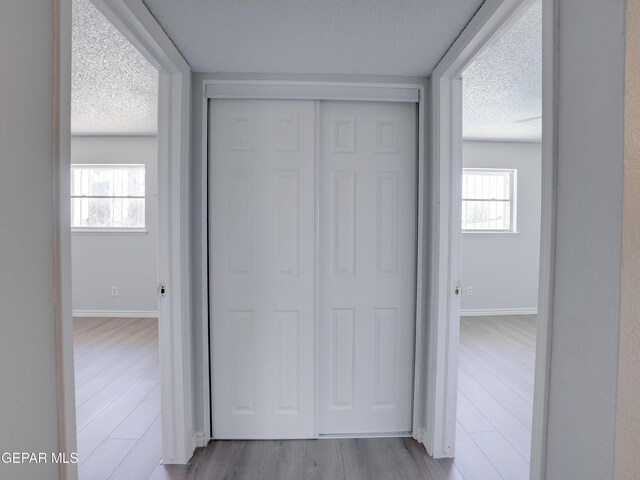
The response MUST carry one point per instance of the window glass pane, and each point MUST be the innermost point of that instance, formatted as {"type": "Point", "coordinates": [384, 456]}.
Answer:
{"type": "Point", "coordinates": [487, 201]}
{"type": "Point", "coordinates": [108, 196]}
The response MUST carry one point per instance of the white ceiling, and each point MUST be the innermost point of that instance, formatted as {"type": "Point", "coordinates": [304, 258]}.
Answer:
{"type": "Point", "coordinates": [386, 37]}
{"type": "Point", "coordinates": [502, 93]}
{"type": "Point", "coordinates": [114, 89]}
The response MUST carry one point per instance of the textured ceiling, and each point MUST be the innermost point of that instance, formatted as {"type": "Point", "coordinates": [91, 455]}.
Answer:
{"type": "Point", "coordinates": [114, 89]}
{"type": "Point", "coordinates": [503, 88]}
{"type": "Point", "coordinates": [386, 37]}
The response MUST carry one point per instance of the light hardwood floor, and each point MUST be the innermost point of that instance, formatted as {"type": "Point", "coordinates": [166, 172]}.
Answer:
{"type": "Point", "coordinates": [495, 397]}
{"type": "Point", "coordinates": [117, 397]}
{"type": "Point", "coordinates": [118, 409]}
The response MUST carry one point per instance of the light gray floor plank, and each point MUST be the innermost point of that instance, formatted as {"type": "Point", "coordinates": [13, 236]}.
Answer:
{"type": "Point", "coordinates": [141, 418]}
{"type": "Point", "coordinates": [502, 455]}
{"type": "Point", "coordinates": [143, 457]}
{"type": "Point", "coordinates": [470, 461]}
{"type": "Point", "coordinates": [470, 417]}
{"type": "Point", "coordinates": [106, 458]}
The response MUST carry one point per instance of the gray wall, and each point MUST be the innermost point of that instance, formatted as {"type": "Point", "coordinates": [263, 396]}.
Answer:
{"type": "Point", "coordinates": [199, 262]}
{"type": "Point", "coordinates": [28, 405]}
{"type": "Point", "coordinates": [503, 268]}
{"type": "Point", "coordinates": [586, 305]}
{"type": "Point", "coordinates": [125, 260]}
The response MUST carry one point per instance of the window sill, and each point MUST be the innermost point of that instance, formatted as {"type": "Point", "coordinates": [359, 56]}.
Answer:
{"type": "Point", "coordinates": [490, 234]}
{"type": "Point", "coordinates": [126, 231]}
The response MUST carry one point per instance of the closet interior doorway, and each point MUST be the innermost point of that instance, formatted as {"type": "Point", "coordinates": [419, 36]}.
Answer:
{"type": "Point", "coordinates": [313, 254]}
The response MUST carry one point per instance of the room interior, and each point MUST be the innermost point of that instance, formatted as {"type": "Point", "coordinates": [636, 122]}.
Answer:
{"type": "Point", "coordinates": [500, 253]}
{"type": "Point", "coordinates": [589, 412]}
{"type": "Point", "coordinates": [114, 222]}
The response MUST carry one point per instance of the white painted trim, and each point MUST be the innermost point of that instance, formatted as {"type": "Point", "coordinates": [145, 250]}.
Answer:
{"type": "Point", "coordinates": [547, 238]}
{"type": "Point", "coordinates": [263, 89]}
{"type": "Point", "coordinates": [108, 231]}
{"type": "Point", "coordinates": [469, 233]}
{"type": "Point", "coordinates": [491, 20]}
{"type": "Point", "coordinates": [419, 393]}
{"type": "Point", "coordinates": [116, 313]}
{"type": "Point", "coordinates": [325, 436]}
{"type": "Point", "coordinates": [316, 264]}
{"type": "Point", "coordinates": [207, 301]}
{"type": "Point", "coordinates": [62, 235]}
{"type": "Point", "coordinates": [200, 439]}
{"type": "Point", "coordinates": [491, 312]}
{"type": "Point", "coordinates": [133, 20]}
{"type": "Point", "coordinates": [419, 400]}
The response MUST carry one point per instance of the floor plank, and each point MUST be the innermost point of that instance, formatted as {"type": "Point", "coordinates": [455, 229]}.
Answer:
{"type": "Point", "coordinates": [502, 455]}
{"type": "Point", "coordinates": [106, 458]}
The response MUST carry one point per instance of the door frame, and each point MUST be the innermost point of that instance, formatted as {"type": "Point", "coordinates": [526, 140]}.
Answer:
{"type": "Point", "coordinates": [137, 24]}
{"type": "Point", "coordinates": [488, 24]}
{"type": "Point", "coordinates": [317, 91]}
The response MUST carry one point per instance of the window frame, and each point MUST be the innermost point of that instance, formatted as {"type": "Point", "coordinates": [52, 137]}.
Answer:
{"type": "Point", "coordinates": [513, 227]}
{"type": "Point", "coordinates": [110, 230]}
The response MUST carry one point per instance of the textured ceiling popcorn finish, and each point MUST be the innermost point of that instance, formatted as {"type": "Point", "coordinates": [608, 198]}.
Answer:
{"type": "Point", "coordinates": [502, 92]}
{"type": "Point", "coordinates": [114, 88]}
{"type": "Point", "coordinates": [385, 37]}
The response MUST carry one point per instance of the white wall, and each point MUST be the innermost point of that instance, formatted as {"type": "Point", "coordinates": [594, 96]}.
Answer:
{"type": "Point", "coordinates": [124, 260]}
{"type": "Point", "coordinates": [586, 304]}
{"type": "Point", "coordinates": [28, 400]}
{"type": "Point", "coordinates": [627, 466]}
{"type": "Point", "coordinates": [503, 268]}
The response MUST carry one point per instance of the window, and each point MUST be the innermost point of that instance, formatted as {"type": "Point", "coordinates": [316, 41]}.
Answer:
{"type": "Point", "coordinates": [108, 197]}
{"type": "Point", "coordinates": [488, 200]}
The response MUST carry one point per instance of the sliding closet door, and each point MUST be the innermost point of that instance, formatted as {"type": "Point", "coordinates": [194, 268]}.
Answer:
{"type": "Point", "coordinates": [368, 203]}
{"type": "Point", "coordinates": [262, 232]}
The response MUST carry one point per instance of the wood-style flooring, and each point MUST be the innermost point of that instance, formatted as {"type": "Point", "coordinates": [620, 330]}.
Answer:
{"type": "Point", "coordinates": [495, 397]}
{"type": "Point", "coordinates": [119, 434]}
{"type": "Point", "coordinates": [117, 398]}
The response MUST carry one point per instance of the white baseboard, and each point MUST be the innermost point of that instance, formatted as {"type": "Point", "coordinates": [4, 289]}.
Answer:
{"type": "Point", "coordinates": [418, 435]}
{"type": "Point", "coordinates": [199, 440]}
{"type": "Point", "coordinates": [116, 313]}
{"type": "Point", "coordinates": [498, 311]}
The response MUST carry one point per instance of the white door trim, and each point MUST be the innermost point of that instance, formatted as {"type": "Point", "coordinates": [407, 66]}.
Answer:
{"type": "Point", "coordinates": [360, 91]}
{"type": "Point", "coordinates": [488, 23]}
{"type": "Point", "coordinates": [133, 19]}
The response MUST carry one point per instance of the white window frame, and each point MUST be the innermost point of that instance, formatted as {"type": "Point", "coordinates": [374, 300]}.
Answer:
{"type": "Point", "coordinates": [112, 166]}
{"type": "Point", "coordinates": [513, 201]}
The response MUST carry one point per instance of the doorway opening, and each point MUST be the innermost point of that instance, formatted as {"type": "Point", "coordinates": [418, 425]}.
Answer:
{"type": "Point", "coordinates": [479, 188]}
{"type": "Point", "coordinates": [313, 258]}
{"type": "Point", "coordinates": [114, 251]}
{"type": "Point", "coordinates": [500, 198]}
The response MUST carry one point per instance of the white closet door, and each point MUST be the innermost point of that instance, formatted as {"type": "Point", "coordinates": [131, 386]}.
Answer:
{"type": "Point", "coordinates": [262, 228]}
{"type": "Point", "coordinates": [368, 202]}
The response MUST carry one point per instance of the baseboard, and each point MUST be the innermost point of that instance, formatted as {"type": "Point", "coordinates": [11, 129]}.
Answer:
{"type": "Point", "coordinates": [116, 313]}
{"type": "Point", "coordinates": [498, 311]}
{"type": "Point", "coordinates": [199, 440]}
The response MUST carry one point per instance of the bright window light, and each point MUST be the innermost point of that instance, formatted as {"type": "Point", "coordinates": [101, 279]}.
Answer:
{"type": "Point", "coordinates": [488, 200]}
{"type": "Point", "coordinates": [108, 196]}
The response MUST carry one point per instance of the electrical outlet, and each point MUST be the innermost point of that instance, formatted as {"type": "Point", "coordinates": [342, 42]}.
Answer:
{"type": "Point", "coordinates": [469, 291]}
{"type": "Point", "coordinates": [114, 291]}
